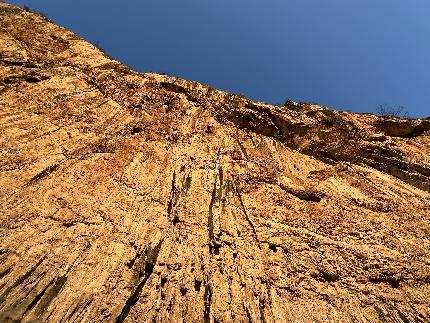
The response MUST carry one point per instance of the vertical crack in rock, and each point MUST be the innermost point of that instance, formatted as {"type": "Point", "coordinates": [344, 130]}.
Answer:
{"type": "Point", "coordinates": [173, 197]}
{"type": "Point", "coordinates": [248, 313]}
{"type": "Point", "coordinates": [151, 256]}
{"type": "Point", "coordinates": [176, 193]}
{"type": "Point", "coordinates": [208, 300]}
{"type": "Point", "coordinates": [216, 196]}
{"type": "Point", "coordinates": [247, 218]}
{"type": "Point", "coordinates": [262, 305]}
{"type": "Point", "coordinates": [210, 215]}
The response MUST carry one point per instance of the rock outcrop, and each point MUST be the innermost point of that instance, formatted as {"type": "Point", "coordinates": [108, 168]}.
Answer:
{"type": "Point", "coordinates": [142, 197]}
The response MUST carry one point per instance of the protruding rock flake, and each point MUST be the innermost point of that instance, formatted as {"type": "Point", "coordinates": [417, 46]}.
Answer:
{"type": "Point", "coordinates": [134, 197]}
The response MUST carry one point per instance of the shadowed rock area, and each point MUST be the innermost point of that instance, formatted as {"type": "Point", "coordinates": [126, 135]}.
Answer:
{"type": "Point", "coordinates": [129, 197]}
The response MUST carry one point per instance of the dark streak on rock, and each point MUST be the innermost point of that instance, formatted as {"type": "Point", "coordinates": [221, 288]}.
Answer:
{"type": "Point", "coordinates": [380, 313]}
{"type": "Point", "coordinates": [83, 309]}
{"type": "Point", "coordinates": [21, 279]}
{"type": "Point", "coordinates": [261, 306]}
{"type": "Point", "coordinates": [239, 195]}
{"type": "Point", "coordinates": [4, 254]}
{"type": "Point", "coordinates": [37, 298]}
{"type": "Point", "coordinates": [5, 272]}
{"type": "Point", "coordinates": [163, 281]}
{"type": "Point", "coordinates": [248, 313]}
{"type": "Point", "coordinates": [171, 202]}
{"type": "Point", "coordinates": [51, 293]}
{"type": "Point", "coordinates": [208, 300]}
{"type": "Point", "coordinates": [402, 316]}
{"type": "Point", "coordinates": [187, 184]}
{"type": "Point", "coordinates": [48, 170]}
{"type": "Point", "coordinates": [210, 215]}
{"type": "Point", "coordinates": [149, 262]}
{"type": "Point", "coordinates": [175, 194]}
{"type": "Point", "coordinates": [173, 199]}
{"type": "Point", "coordinates": [221, 183]}
{"type": "Point", "coordinates": [78, 309]}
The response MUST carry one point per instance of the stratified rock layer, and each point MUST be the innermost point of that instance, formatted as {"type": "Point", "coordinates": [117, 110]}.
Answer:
{"type": "Point", "coordinates": [143, 197]}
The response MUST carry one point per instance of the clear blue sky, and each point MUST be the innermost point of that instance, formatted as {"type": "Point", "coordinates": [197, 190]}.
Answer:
{"type": "Point", "coordinates": [350, 55]}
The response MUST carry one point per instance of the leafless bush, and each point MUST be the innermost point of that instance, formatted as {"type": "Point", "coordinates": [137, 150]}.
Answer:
{"type": "Point", "coordinates": [398, 111]}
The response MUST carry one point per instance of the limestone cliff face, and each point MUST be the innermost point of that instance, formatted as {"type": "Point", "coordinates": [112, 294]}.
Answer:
{"type": "Point", "coordinates": [142, 197]}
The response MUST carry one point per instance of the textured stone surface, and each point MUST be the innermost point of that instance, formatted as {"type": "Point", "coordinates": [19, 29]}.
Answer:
{"type": "Point", "coordinates": [143, 197]}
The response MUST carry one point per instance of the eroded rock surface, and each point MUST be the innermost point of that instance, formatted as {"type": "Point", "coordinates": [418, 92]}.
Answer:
{"type": "Point", "coordinates": [142, 197]}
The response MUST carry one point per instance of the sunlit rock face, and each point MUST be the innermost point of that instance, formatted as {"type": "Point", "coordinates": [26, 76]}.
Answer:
{"type": "Point", "coordinates": [143, 197]}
